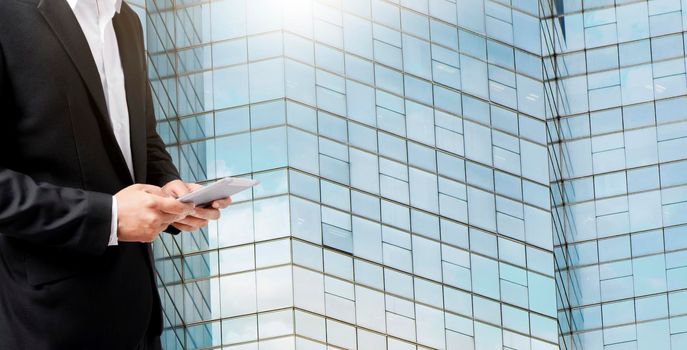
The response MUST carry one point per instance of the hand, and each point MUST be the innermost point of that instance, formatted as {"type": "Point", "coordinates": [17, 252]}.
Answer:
{"type": "Point", "coordinates": [200, 216]}
{"type": "Point", "coordinates": [143, 211]}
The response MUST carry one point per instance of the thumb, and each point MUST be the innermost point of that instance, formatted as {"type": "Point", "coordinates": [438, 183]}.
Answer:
{"type": "Point", "coordinates": [176, 188]}
{"type": "Point", "coordinates": [192, 187]}
{"type": "Point", "coordinates": [154, 190]}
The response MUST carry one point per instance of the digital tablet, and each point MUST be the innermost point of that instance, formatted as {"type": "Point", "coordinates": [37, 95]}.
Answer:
{"type": "Point", "coordinates": [219, 189]}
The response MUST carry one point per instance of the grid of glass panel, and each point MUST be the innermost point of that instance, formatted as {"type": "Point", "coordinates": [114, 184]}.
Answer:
{"type": "Point", "coordinates": [620, 94]}
{"type": "Point", "coordinates": [409, 152]}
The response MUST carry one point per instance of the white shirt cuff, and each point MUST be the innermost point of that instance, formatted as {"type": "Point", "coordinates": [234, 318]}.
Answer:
{"type": "Point", "coordinates": [113, 226]}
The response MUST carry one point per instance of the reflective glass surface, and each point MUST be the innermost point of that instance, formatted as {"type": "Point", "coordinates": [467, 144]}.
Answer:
{"type": "Point", "coordinates": [435, 174]}
{"type": "Point", "coordinates": [618, 191]}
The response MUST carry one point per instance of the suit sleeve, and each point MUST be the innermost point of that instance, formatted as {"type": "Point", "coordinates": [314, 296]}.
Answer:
{"type": "Point", "coordinates": [45, 214]}
{"type": "Point", "coordinates": [161, 169]}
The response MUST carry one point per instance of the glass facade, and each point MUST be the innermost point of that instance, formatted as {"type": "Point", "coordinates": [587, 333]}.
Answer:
{"type": "Point", "coordinates": [435, 174]}
{"type": "Point", "coordinates": [620, 209]}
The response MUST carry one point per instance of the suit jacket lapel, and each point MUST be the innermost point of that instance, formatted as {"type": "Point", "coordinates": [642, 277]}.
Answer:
{"type": "Point", "coordinates": [135, 83]}
{"type": "Point", "coordinates": [66, 27]}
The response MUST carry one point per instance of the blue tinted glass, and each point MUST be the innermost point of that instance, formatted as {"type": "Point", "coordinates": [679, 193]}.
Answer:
{"type": "Point", "coordinates": [452, 174]}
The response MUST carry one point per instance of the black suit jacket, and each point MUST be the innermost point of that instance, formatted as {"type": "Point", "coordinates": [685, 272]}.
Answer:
{"type": "Point", "coordinates": [61, 286]}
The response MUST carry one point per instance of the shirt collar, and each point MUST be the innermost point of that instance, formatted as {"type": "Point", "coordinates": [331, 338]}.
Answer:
{"type": "Point", "coordinates": [117, 4]}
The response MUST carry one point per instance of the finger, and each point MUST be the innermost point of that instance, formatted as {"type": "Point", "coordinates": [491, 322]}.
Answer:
{"type": "Point", "coordinates": [177, 188]}
{"type": "Point", "coordinates": [192, 187]}
{"type": "Point", "coordinates": [206, 213]}
{"type": "Point", "coordinates": [221, 203]}
{"type": "Point", "coordinates": [173, 206]}
{"type": "Point", "coordinates": [154, 190]}
{"type": "Point", "coordinates": [183, 227]}
{"type": "Point", "coordinates": [167, 219]}
{"type": "Point", "coordinates": [193, 221]}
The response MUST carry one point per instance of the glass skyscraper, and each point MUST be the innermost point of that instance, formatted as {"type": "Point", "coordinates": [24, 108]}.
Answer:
{"type": "Point", "coordinates": [435, 174]}
{"type": "Point", "coordinates": [619, 192]}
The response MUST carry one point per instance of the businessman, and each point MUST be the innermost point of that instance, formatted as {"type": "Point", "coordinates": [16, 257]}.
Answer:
{"type": "Point", "coordinates": [85, 181]}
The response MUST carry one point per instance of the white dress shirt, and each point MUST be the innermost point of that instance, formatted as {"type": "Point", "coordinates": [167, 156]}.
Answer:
{"type": "Point", "coordinates": [95, 19]}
